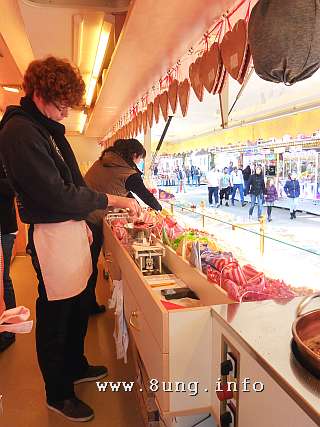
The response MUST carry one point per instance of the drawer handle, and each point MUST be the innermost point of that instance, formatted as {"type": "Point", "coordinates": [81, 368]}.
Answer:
{"type": "Point", "coordinates": [133, 315]}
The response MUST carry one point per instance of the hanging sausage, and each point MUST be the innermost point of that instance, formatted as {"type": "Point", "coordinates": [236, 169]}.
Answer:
{"type": "Point", "coordinates": [184, 95]}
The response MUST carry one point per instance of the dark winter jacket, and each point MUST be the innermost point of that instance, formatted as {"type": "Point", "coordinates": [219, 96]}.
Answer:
{"type": "Point", "coordinates": [246, 173]}
{"type": "Point", "coordinates": [271, 194]}
{"type": "Point", "coordinates": [8, 220]}
{"type": "Point", "coordinates": [113, 175]}
{"type": "Point", "coordinates": [292, 188]}
{"type": "Point", "coordinates": [45, 185]}
{"type": "Point", "coordinates": [256, 185]}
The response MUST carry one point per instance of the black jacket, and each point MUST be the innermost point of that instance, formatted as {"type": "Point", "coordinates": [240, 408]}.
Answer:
{"type": "Point", "coordinates": [246, 173]}
{"type": "Point", "coordinates": [8, 220]}
{"type": "Point", "coordinates": [256, 185]}
{"type": "Point", "coordinates": [135, 184]}
{"type": "Point", "coordinates": [36, 170]}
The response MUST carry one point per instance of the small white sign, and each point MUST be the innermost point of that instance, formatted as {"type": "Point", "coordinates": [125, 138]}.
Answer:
{"type": "Point", "coordinates": [279, 150]}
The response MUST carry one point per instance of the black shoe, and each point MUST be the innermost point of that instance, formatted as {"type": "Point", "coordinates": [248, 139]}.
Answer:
{"type": "Point", "coordinates": [98, 309]}
{"type": "Point", "coordinates": [294, 214]}
{"type": "Point", "coordinates": [227, 204]}
{"type": "Point", "coordinates": [244, 204]}
{"type": "Point", "coordinates": [93, 373]}
{"type": "Point", "coordinates": [291, 216]}
{"type": "Point", "coordinates": [73, 409]}
{"type": "Point", "coordinates": [6, 342]}
{"type": "Point", "coordinates": [269, 219]}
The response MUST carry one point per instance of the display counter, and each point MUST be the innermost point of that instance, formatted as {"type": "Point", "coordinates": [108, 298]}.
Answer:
{"type": "Point", "coordinates": [260, 334]}
{"type": "Point", "coordinates": [182, 349]}
{"type": "Point", "coordinates": [162, 336]}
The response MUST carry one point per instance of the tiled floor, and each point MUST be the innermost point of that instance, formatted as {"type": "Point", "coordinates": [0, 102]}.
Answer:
{"type": "Point", "coordinates": [21, 382]}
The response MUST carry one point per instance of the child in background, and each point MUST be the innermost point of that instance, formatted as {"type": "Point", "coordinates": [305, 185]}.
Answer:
{"type": "Point", "coordinates": [271, 196]}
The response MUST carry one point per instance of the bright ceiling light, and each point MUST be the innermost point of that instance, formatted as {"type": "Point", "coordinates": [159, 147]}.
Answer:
{"type": "Point", "coordinates": [78, 24]}
{"type": "Point", "coordinates": [101, 50]}
{"type": "Point", "coordinates": [103, 42]}
{"type": "Point", "coordinates": [11, 89]}
{"type": "Point", "coordinates": [82, 122]}
{"type": "Point", "coordinates": [90, 91]}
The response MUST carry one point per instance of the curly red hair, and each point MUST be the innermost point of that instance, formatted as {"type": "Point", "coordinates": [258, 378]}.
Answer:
{"type": "Point", "coordinates": [55, 80]}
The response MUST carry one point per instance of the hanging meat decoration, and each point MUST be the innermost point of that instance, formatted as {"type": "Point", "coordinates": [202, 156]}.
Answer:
{"type": "Point", "coordinates": [145, 121]}
{"type": "Point", "coordinates": [130, 132]}
{"type": "Point", "coordinates": [164, 103]}
{"type": "Point", "coordinates": [156, 108]}
{"type": "Point", "coordinates": [135, 127]}
{"type": "Point", "coordinates": [173, 95]}
{"type": "Point", "coordinates": [150, 114]}
{"type": "Point", "coordinates": [139, 118]}
{"type": "Point", "coordinates": [194, 75]}
{"type": "Point", "coordinates": [184, 94]}
{"type": "Point", "coordinates": [234, 50]}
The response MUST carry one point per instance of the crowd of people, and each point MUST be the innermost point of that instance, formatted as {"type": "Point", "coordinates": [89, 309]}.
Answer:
{"type": "Point", "coordinates": [179, 177]}
{"type": "Point", "coordinates": [252, 182]}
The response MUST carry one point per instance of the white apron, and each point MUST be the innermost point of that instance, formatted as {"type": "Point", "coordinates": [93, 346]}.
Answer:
{"type": "Point", "coordinates": [63, 252]}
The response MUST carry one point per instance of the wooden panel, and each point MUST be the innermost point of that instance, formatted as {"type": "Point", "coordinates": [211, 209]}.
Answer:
{"type": "Point", "coordinates": [155, 362]}
{"type": "Point", "coordinates": [208, 293]}
{"type": "Point", "coordinates": [112, 267]}
{"type": "Point", "coordinates": [190, 344]}
{"type": "Point", "coordinates": [154, 312]}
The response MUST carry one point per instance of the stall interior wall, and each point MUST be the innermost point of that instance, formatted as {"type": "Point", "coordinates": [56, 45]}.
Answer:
{"type": "Point", "coordinates": [87, 150]}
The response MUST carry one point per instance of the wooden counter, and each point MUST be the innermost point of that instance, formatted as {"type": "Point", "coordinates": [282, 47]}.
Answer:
{"type": "Point", "coordinates": [175, 345]}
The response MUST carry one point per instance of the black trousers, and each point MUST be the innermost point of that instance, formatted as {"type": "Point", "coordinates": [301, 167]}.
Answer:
{"type": "Point", "coordinates": [61, 327]}
{"type": "Point", "coordinates": [95, 248]}
{"type": "Point", "coordinates": [224, 193]}
{"type": "Point", "coordinates": [213, 191]}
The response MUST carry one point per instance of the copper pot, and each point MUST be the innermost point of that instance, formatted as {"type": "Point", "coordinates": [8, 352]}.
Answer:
{"type": "Point", "coordinates": [306, 327]}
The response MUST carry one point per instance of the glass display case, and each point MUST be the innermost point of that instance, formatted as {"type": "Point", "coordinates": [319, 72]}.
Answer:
{"type": "Point", "coordinates": [291, 257]}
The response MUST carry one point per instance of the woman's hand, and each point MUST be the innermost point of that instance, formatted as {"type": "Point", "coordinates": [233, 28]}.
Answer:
{"type": "Point", "coordinates": [133, 206]}
{"type": "Point", "coordinates": [125, 203]}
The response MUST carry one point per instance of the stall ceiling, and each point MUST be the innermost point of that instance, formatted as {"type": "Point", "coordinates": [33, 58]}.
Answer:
{"type": "Point", "coordinates": [155, 36]}
{"type": "Point", "coordinates": [153, 39]}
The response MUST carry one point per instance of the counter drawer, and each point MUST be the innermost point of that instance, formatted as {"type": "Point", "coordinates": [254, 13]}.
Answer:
{"type": "Point", "coordinates": [156, 362]}
{"type": "Point", "coordinates": [154, 313]}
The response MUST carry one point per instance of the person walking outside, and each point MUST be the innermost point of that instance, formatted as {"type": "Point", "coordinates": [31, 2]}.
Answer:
{"type": "Point", "coordinates": [188, 174]}
{"type": "Point", "coordinates": [225, 185]}
{"type": "Point", "coordinates": [199, 173]}
{"type": "Point", "coordinates": [237, 183]}
{"type": "Point", "coordinates": [292, 190]}
{"type": "Point", "coordinates": [192, 173]}
{"type": "Point", "coordinates": [213, 178]}
{"type": "Point", "coordinates": [256, 189]}
{"type": "Point", "coordinates": [271, 196]}
{"type": "Point", "coordinates": [246, 175]}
